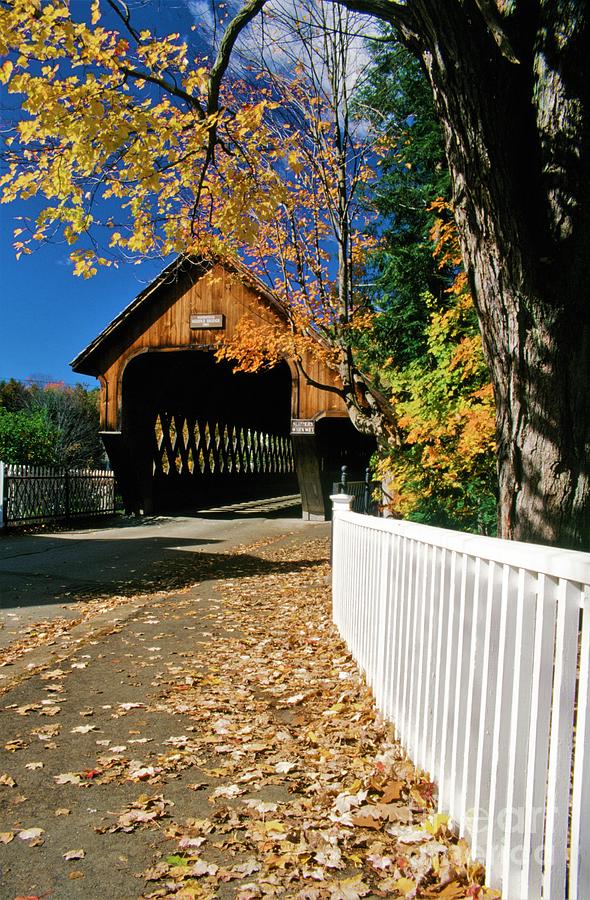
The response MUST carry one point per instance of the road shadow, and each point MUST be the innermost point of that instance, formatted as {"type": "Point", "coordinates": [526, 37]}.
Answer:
{"type": "Point", "coordinates": [160, 564]}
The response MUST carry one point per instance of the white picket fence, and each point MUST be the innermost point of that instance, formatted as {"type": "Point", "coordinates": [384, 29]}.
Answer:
{"type": "Point", "coordinates": [478, 651]}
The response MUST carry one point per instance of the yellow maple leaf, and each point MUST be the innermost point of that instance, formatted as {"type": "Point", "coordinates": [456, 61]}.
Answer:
{"type": "Point", "coordinates": [294, 162]}
{"type": "Point", "coordinates": [436, 823]}
{"type": "Point", "coordinates": [6, 71]}
{"type": "Point", "coordinates": [405, 885]}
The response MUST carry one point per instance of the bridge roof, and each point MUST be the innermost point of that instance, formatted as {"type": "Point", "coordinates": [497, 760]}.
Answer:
{"type": "Point", "coordinates": [84, 361]}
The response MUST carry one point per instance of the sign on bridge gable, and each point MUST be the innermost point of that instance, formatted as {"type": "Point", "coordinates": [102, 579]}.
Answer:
{"type": "Point", "coordinates": [207, 320]}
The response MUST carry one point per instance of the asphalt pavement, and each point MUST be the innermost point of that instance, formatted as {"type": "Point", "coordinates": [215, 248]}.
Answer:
{"type": "Point", "coordinates": [50, 574]}
{"type": "Point", "coordinates": [180, 718]}
{"type": "Point", "coordinates": [83, 815]}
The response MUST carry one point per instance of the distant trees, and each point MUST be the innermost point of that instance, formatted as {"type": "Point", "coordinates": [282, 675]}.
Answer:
{"type": "Point", "coordinates": [26, 438]}
{"type": "Point", "coordinates": [51, 425]}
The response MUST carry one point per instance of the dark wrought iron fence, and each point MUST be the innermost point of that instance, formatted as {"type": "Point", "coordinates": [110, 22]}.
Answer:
{"type": "Point", "coordinates": [362, 492]}
{"type": "Point", "coordinates": [36, 494]}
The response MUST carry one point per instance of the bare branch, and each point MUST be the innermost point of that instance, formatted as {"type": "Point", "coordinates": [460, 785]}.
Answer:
{"type": "Point", "coordinates": [319, 384]}
{"type": "Point", "coordinates": [166, 86]}
{"type": "Point", "coordinates": [218, 70]}
{"type": "Point", "coordinates": [248, 12]}
{"type": "Point", "coordinates": [492, 19]}
{"type": "Point", "coordinates": [391, 11]}
{"type": "Point", "coordinates": [122, 11]}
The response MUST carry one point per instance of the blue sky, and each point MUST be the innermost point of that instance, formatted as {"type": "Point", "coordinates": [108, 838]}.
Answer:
{"type": "Point", "coordinates": [47, 315]}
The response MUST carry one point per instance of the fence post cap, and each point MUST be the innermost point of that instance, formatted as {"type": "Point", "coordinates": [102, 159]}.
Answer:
{"type": "Point", "coordinates": [341, 502]}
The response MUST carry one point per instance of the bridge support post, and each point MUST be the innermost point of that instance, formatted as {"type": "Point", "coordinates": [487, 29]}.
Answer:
{"type": "Point", "coordinates": [308, 469]}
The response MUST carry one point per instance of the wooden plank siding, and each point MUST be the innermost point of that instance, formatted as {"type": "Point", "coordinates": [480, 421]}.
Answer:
{"type": "Point", "coordinates": [159, 320]}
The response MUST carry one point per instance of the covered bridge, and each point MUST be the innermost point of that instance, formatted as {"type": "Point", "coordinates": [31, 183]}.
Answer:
{"type": "Point", "coordinates": [182, 431]}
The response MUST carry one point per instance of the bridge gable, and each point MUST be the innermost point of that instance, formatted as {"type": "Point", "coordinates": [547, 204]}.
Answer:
{"type": "Point", "coordinates": [163, 318]}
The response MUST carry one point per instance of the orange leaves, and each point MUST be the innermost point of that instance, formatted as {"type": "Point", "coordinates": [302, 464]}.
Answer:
{"type": "Point", "coordinates": [447, 251]}
{"type": "Point", "coordinates": [443, 234]}
{"type": "Point", "coordinates": [256, 345]}
{"type": "Point", "coordinates": [467, 357]}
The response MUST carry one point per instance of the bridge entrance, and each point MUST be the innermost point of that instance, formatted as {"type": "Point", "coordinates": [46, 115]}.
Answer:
{"type": "Point", "coordinates": [201, 435]}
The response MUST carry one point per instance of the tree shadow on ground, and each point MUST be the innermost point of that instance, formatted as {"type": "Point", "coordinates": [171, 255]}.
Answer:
{"type": "Point", "coordinates": [158, 565]}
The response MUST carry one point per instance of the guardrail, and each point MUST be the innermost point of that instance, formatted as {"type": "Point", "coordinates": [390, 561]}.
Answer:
{"type": "Point", "coordinates": [37, 494]}
{"type": "Point", "coordinates": [478, 650]}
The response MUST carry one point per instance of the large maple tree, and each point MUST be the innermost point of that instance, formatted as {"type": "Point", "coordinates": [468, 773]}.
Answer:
{"type": "Point", "coordinates": [139, 121]}
{"type": "Point", "coordinates": [510, 84]}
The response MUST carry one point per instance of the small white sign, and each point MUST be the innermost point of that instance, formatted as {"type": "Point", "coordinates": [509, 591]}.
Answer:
{"type": "Point", "coordinates": [302, 426]}
{"type": "Point", "coordinates": [208, 320]}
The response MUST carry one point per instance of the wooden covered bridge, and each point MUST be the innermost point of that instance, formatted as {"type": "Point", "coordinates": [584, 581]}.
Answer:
{"type": "Point", "coordinates": [182, 431]}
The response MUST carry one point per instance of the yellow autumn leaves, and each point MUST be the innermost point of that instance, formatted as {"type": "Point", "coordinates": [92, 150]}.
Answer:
{"type": "Point", "coordinates": [445, 464]}
{"type": "Point", "coordinates": [118, 137]}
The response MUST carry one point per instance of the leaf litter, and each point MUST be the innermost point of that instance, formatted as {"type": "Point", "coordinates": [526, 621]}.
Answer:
{"type": "Point", "coordinates": [316, 794]}
{"type": "Point", "coordinates": [309, 796]}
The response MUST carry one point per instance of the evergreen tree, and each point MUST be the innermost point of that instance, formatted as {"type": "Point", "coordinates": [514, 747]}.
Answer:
{"type": "Point", "coordinates": [398, 100]}
{"type": "Point", "coordinates": [425, 343]}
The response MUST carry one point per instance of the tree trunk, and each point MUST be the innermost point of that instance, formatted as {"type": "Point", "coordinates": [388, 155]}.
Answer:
{"type": "Point", "coordinates": [512, 97]}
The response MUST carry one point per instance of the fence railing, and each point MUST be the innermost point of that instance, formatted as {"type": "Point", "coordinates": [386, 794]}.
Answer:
{"type": "Point", "coordinates": [36, 494]}
{"type": "Point", "coordinates": [478, 650]}
{"type": "Point", "coordinates": [362, 492]}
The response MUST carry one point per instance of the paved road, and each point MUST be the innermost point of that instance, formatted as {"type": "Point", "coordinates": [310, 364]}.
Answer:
{"type": "Point", "coordinates": [46, 575]}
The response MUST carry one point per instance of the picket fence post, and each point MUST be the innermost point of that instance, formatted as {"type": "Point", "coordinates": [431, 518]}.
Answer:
{"type": "Point", "coordinates": [340, 503]}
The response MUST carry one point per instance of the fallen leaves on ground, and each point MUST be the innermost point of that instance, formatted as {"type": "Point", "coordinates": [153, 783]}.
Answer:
{"type": "Point", "coordinates": [56, 632]}
{"type": "Point", "coordinates": [308, 795]}
{"type": "Point", "coordinates": [315, 793]}
{"type": "Point", "coordinates": [74, 854]}
{"type": "Point", "coordinates": [7, 780]}
{"type": "Point", "coordinates": [143, 811]}
{"type": "Point", "coordinates": [33, 836]}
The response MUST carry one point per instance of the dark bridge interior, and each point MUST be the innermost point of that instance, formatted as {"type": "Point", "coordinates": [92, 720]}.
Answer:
{"type": "Point", "coordinates": [199, 434]}
{"type": "Point", "coordinates": [195, 435]}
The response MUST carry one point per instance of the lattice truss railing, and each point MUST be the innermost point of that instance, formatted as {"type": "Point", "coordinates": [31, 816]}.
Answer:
{"type": "Point", "coordinates": [201, 448]}
{"type": "Point", "coordinates": [43, 493]}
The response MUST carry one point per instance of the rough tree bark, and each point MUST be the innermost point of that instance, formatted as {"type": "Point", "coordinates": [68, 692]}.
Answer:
{"type": "Point", "coordinates": [511, 90]}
